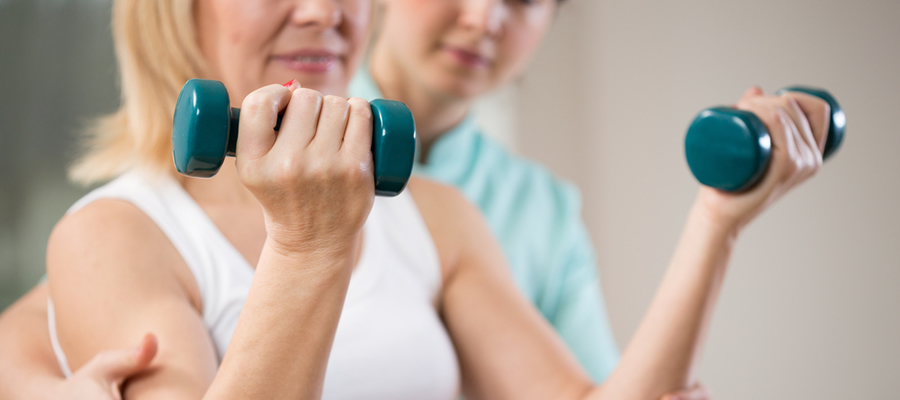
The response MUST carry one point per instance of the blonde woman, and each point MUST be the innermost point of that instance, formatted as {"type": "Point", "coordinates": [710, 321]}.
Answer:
{"type": "Point", "coordinates": [283, 276]}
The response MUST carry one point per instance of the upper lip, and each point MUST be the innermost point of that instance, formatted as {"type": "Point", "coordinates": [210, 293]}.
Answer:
{"type": "Point", "coordinates": [473, 52]}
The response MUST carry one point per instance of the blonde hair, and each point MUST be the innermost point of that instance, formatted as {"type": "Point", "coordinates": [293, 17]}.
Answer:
{"type": "Point", "coordinates": [157, 51]}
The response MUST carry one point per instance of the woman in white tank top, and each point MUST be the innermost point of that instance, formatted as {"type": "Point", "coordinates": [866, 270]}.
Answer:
{"type": "Point", "coordinates": [283, 276]}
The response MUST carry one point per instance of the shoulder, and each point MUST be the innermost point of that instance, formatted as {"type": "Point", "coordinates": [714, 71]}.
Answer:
{"type": "Point", "coordinates": [103, 224]}
{"type": "Point", "coordinates": [443, 207]}
{"type": "Point", "coordinates": [451, 219]}
{"type": "Point", "coordinates": [110, 243]}
{"type": "Point", "coordinates": [442, 203]}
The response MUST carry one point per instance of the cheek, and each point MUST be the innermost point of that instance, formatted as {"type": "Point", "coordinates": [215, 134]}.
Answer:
{"type": "Point", "coordinates": [357, 15]}
{"type": "Point", "coordinates": [519, 44]}
{"type": "Point", "coordinates": [415, 26]}
{"type": "Point", "coordinates": [228, 30]}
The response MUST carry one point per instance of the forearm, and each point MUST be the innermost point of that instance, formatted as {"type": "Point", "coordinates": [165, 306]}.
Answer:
{"type": "Point", "coordinates": [28, 368]}
{"type": "Point", "coordinates": [662, 354]}
{"type": "Point", "coordinates": [283, 338]}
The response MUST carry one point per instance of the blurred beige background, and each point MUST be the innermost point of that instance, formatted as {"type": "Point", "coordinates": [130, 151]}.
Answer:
{"type": "Point", "coordinates": [811, 305]}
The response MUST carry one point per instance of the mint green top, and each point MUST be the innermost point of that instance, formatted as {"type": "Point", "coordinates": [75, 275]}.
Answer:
{"type": "Point", "coordinates": [537, 219]}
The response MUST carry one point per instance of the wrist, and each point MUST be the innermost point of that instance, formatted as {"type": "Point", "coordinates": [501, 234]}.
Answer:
{"type": "Point", "coordinates": [705, 216]}
{"type": "Point", "coordinates": [313, 256]}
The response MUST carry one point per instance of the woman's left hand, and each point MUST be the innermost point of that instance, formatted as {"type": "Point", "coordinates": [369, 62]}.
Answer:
{"type": "Point", "coordinates": [798, 125]}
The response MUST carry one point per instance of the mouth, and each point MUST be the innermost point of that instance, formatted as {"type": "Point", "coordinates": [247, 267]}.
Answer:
{"type": "Point", "coordinates": [313, 61]}
{"type": "Point", "coordinates": [468, 57]}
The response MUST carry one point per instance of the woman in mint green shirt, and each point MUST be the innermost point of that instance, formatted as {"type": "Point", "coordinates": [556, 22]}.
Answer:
{"type": "Point", "coordinates": [537, 219]}
{"type": "Point", "coordinates": [438, 57]}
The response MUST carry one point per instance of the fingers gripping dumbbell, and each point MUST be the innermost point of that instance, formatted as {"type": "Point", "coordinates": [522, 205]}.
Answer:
{"type": "Point", "coordinates": [205, 131]}
{"type": "Point", "coordinates": [729, 149]}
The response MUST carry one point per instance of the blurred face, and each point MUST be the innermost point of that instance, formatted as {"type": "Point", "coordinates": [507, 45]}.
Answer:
{"type": "Point", "coordinates": [252, 43]}
{"type": "Point", "coordinates": [463, 48]}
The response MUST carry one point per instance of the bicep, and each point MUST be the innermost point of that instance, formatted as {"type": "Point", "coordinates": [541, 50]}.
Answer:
{"type": "Point", "coordinates": [507, 350]}
{"type": "Point", "coordinates": [111, 279]}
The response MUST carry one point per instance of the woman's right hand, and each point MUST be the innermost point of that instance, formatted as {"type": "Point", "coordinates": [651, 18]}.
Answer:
{"type": "Point", "coordinates": [313, 177]}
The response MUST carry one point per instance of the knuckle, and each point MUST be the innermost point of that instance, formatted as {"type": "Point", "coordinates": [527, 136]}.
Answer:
{"type": "Point", "coordinates": [255, 102]}
{"type": "Point", "coordinates": [798, 165]}
{"type": "Point", "coordinates": [792, 104]}
{"type": "Point", "coordinates": [306, 96]}
{"type": "Point", "coordinates": [335, 101]}
{"type": "Point", "coordinates": [360, 108]}
{"type": "Point", "coordinates": [286, 170]}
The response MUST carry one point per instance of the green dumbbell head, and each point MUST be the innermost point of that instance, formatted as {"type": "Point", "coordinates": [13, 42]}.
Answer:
{"type": "Point", "coordinates": [729, 149]}
{"type": "Point", "coordinates": [205, 129]}
{"type": "Point", "coordinates": [200, 128]}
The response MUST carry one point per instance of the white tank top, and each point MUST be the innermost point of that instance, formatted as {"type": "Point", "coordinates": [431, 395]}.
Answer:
{"type": "Point", "coordinates": [390, 342]}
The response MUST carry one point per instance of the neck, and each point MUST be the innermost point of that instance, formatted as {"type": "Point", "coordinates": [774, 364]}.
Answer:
{"type": "Point", "coordinates": [435, 113]}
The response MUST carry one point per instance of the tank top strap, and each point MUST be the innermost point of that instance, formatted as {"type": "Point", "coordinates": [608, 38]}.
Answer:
{"type": "Point", "coordinates": [155, 197]}
{"type": "Point", "coordinates": [400, 233]}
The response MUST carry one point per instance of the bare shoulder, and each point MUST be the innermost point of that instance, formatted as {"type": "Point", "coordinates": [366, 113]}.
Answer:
{"type": "Point", "coordinates": [456, 225]}
{"type": "Point", "coordinates": [431, 195]}
{"type": "Point", "coordinates": [113, 242]}
{"type": "Point", "coordinates": [114, 276]}
{"type": "Point", "coordinates": [443, 207]}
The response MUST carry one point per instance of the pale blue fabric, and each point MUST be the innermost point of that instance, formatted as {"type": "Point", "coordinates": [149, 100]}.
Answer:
{"type": "Point", "coordinates": [537, 219]}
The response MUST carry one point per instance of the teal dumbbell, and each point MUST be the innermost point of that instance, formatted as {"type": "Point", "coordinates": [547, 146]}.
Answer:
{"type": "Point", "coordinates": [205, 130]}
{"type": "Point", "coordinates": [729, 149]}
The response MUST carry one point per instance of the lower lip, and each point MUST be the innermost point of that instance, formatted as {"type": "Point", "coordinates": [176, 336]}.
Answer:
{"type": "Point", "coordinates": [466, 58]}
{"type": "Point", "coordinates": [320, 65]}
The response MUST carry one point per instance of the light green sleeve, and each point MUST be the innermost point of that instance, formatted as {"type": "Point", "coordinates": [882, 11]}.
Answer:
{"type": "Point", "coordinates": [580, 317]}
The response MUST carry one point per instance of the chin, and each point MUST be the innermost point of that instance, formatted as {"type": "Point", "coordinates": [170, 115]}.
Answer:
{"type": "Point", "coordinates": [461, 88]}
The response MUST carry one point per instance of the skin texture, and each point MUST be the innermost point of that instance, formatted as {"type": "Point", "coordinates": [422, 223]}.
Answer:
{"type": "Point", "coordinates": [258, 203]}
{"type": "Point", "coordinates": [30, 372]}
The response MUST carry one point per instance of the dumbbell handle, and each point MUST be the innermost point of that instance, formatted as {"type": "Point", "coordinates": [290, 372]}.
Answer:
{"type": "Point", "coordinates": [729, 149]}
{"type": "Point", "coordinates": [233, 130]}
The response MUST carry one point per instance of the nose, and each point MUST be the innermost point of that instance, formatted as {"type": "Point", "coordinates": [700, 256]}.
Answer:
{"type": "Point", "coordinates": [484, 16]}
{"type": "Point", "coordinates": [318, 13]}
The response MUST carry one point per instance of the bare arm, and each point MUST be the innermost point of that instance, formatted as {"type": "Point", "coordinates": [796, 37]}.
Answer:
{"type": "Point", "coordinates": [114, 275]}
{"type": "Point", "coordinates": [507, 351]}
{"type": "Point", "coordinates": [28, 367]}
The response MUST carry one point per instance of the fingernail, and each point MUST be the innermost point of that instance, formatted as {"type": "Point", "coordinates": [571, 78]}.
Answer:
{"type": "Point", "coordinates": [287, 85]}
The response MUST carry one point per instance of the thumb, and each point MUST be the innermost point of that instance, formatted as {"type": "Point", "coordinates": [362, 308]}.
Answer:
{"type": "Point", "coordinates": [752, 92]}
{"type": "Point", "coordinates": [114, 366]}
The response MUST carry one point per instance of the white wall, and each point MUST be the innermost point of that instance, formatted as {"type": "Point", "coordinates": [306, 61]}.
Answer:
{"type": "Point", "coordinates": [811, 305]}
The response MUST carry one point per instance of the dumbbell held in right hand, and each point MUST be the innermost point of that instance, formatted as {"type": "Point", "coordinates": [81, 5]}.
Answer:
{"type": "Point", "coordinates": [205, 130]}
{"type": "Point", "coordinates": [729, 149]}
